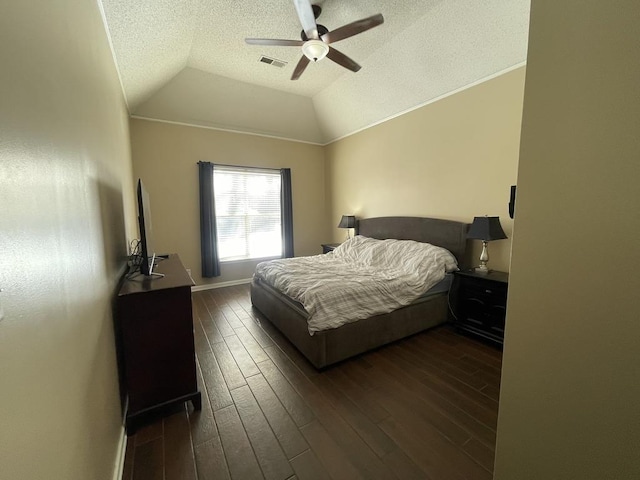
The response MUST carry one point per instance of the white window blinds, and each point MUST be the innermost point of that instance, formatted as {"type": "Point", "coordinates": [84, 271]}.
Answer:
{"type": "Point", "coordinates": [248, 215]}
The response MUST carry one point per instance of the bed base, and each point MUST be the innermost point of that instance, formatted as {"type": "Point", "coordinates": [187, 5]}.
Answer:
{"type": "Point", "coordinates": [331, 346]}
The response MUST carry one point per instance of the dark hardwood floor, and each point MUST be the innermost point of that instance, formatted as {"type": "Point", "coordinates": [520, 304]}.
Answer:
{"type": "Point", "coordinates": [421, 408]}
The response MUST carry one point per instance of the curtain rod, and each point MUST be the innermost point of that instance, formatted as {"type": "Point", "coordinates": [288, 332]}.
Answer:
{"type": "Point", "coordinates": [238, 166]}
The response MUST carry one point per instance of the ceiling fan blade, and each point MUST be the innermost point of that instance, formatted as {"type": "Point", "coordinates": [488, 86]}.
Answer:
{"type": "Point", "coordinates": [307, 18]}
{"type": "Point", "coordinates": [274, 41]}
{"type": "Point", "coordinates": [341, 59]}
{"type": "Point", "coordinates": [302, 64]}
{"type": "Point", "coordinates": [353, 28]}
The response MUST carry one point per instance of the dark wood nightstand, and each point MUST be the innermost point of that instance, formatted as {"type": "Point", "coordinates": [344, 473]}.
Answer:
{"type": "Point", "coordinates": [480, 303]}
{"type": "Point", "coordinates": [329, 247]}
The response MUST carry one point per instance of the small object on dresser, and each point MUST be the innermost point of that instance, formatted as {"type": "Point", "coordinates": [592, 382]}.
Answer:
{"type": "Point", "coordinates": [480, 303]}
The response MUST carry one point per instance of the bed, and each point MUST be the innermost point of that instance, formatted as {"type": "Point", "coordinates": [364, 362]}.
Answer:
{"type": "Point", "coordinates": [327, 347]}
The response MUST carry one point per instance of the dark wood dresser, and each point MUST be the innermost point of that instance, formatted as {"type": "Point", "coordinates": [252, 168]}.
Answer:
{"type": "Point", "coordinates": [154, 328]}
{"type": "Point", "coordinates": [480, 303]}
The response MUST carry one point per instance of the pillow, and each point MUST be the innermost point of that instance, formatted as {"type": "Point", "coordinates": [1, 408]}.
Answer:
{"type": "Point", "coordinates": [407, 255]}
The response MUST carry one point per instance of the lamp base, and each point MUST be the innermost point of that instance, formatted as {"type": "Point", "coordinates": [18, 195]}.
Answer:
{"type": "Point", "coordinates": [484, 258]}
{"type": "Point", "coordinates": [481, 269]}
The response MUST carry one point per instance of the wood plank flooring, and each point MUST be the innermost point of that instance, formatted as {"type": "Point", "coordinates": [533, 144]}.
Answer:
{"type": "Point", "coordinates": [421, 408]}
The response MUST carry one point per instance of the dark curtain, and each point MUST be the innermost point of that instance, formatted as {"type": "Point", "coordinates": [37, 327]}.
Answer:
{"type": "Point", "coordinates": [208, 233]}
{"type": "Point", "coordinates": [287, 213]}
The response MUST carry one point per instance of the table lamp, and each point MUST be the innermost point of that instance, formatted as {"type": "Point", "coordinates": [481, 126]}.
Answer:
{"type": "Point", "coordinates": [347, 221]}
{"type": "Point", "coordinates": [485, 229]}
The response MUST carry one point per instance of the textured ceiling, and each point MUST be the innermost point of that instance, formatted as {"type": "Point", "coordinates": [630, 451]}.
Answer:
{"type": "Point", "coordinates": [186, 60]}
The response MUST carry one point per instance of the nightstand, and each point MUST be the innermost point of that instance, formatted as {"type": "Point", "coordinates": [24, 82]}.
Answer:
{"type": "Point", "coordinates": [480, 303]}
{"type": "Point", "coordinates": [329, 247]}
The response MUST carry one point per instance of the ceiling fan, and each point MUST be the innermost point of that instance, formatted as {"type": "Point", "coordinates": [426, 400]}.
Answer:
{"type": "Point", "coordinates": [316, 38]}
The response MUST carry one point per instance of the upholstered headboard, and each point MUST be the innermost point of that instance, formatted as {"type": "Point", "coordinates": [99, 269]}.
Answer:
{"type": "Point", "coordinates": [443, 233]}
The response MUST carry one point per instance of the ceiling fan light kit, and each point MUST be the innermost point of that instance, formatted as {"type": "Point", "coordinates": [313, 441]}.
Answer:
{"type": "Point", "coordinates": [315, 50]}
{"type": "Point", "coordinates": [316, 38]}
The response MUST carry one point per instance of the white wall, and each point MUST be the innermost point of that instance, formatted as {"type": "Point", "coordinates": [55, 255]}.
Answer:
{"type": "Point", "coordinates": [66, 208]}
{"type": "Point", "coordinates": [569, 404]}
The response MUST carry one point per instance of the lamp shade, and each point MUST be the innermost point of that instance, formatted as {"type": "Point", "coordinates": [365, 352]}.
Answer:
{"type": "Point", "coordinates": [347, 221]}
{"type": "Point", "coordinates": [486, 229]}
{"type": "Point", "coordinates": [315, 50]}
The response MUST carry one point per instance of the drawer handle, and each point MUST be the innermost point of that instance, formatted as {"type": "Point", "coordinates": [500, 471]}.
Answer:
{"type": "Point", "coordinates": [488, 291]}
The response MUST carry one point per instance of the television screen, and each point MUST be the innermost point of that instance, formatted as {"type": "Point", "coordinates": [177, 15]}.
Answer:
{"type": "Point", "coordinates": [147, 252]}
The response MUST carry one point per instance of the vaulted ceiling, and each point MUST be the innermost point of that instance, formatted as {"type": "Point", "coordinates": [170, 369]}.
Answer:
{"type": "Point", "coordinates": [186, 61]}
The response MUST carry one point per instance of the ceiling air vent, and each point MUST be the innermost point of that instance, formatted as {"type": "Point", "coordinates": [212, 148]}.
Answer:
{"type": "Point", "coordinates": [272, 61]}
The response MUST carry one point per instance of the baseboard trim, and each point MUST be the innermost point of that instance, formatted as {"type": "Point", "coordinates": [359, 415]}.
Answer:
{"type": "Point", "coordinates": [122, 449]}
{"type": "Point", "coordinates": [211, 286]}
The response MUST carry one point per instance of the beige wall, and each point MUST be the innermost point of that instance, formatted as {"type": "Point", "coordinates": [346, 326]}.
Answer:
{"type": "Point", "coordinates": [165, 157]}
{"type": "Point", "coordinates": [454, 159]}
{"type": "Point", "coordinates": [201, 98]}
{"type": "Point", "coordinates": [569, 404]}
{"type": "Point", "coordinates": [65, 192]}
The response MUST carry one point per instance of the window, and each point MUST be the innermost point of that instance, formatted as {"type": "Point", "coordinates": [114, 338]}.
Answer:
{"type": "Point", "coordinates": [248, 212]}
{"type": "Point", "coordinates": [255, 210]}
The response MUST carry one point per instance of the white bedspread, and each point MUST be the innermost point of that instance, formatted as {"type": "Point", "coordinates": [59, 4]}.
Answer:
{"type": "Point", "coordinates": [361, 278]}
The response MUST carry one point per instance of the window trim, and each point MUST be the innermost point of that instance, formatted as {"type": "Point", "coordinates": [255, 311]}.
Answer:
{"type": "Point", "coordinates": [248, 169]}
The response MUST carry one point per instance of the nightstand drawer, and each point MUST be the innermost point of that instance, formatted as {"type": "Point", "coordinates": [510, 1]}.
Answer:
{"type": "Point", "coordinates": [488, 290]}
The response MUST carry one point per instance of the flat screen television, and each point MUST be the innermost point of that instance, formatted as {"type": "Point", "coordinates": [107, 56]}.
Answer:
{"type": "Point", "coordinates": [147, 253]}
